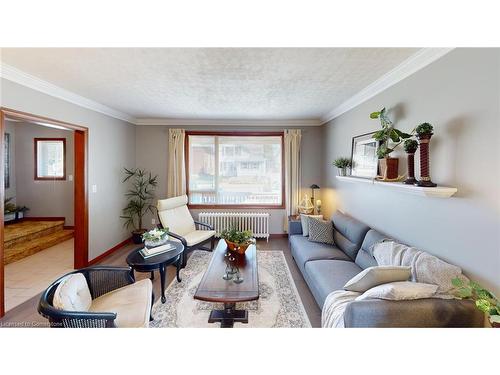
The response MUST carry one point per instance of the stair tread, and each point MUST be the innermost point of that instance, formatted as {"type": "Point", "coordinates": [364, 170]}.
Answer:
{"type": "Point", "coordinates": [28, 228]}
{"type": "Point", "coordinates": [45, 239]}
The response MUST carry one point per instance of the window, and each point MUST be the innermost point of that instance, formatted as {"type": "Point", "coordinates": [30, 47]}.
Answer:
{"type": "Point", "coordinates": [50, 158]}
{"type": "Point", "coordinates": [235, 169]}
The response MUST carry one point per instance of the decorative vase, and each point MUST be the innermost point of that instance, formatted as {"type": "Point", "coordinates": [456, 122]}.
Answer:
{"type": "Point", "coordinates": [155, 243]}
{"type": "Point", "coordinates": [237, 248]}
{"type": "Point", "coordinates": [389, 168]}
{"type": "Point", "coordinates": [425, 178]}
{"type": "Point", "coordinates": [411, 180]}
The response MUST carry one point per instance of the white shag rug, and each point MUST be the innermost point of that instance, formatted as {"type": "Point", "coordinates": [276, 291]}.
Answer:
{"type": "Point", "coordinates": [279, 304]}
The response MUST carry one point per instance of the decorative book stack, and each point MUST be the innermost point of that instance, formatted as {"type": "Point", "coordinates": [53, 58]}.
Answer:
{"type": "Point", "coordinates": [148, 253]}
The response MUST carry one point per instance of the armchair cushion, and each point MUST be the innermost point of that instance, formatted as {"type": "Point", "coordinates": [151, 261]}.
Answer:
{"type": "Point", "coordinates": [131, 303]}
{"type": "Point", "coordinates": [196, 237]}
{"type": "Point", "coordinates": [174, 215]}
{"type": "Point", "coordinates": [72, 294]}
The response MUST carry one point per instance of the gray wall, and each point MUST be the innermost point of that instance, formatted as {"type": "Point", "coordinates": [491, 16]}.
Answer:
{"type": "Point", "coordinates": [111, 147]}
{"type": "Point", "coordinates": [43, 198]}
{"type": "Point", "coordinates": [152, 154]}
{"type": "Point", "coordinates": [460, 95]}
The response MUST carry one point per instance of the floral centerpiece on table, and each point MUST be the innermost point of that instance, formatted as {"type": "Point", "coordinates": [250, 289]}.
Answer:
{"type": "Point", "coordinates": [237, 241]}
{"type": "Point", "coordinates": [155, 237]}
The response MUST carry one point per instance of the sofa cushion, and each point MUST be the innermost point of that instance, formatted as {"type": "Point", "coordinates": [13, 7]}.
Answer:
{"type": "Point", "coordinates": [325, 276]}
{"type": "Point", "coordinates": [131, 303]}
{"type": "Point", "coordinates": [373, 276]}
{"type": "Point", "coordinates": [399, 291]}
{"type": "Point", "coordinates": [304, 251]}
{"type": "Point", "coordinates": [365, 257]}
{"type": "Point", "coordinates": [72, 294]}
{"type": "Point", "coordinates": [196, 237]}
{"type": "Point", "coordinates": [348, 234]}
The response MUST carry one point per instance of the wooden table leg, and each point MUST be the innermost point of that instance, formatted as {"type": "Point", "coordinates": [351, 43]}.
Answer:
{"type": "Point", "coordinates": [228, 316]}
{"type": "Point", "coordinates": [162, 279]}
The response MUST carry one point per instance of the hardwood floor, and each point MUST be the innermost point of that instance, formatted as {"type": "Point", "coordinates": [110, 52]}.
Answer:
{"type": "Point", "coordinates": [26, 315]}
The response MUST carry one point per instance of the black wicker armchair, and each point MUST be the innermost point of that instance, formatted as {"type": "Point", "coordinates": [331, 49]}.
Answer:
{"type": "Point", "coordinates": [101, 280]}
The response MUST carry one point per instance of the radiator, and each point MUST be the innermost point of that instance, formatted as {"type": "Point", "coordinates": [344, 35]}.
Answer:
{"type": "Point", "coordinates": [257, 222]}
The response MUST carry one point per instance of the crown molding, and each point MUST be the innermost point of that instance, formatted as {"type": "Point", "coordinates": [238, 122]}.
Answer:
{"type": "Point", "coordinates": [227, 122]}
{"type": "Point", "coordinates": [15, 75]}
{"type": "Point", "coordinates": [414, 63]}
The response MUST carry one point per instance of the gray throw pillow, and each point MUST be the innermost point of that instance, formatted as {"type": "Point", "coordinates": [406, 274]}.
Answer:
{"type": "Point", "coordinates": [304, 220]}
{"type": "Point", "coordinates": [373, 276]}
{"type": "Point", "coordinates": [320, 231]}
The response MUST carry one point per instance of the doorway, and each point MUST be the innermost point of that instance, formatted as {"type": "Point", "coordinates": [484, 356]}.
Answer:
{"type": "Point", "coordinates": [80, 203]}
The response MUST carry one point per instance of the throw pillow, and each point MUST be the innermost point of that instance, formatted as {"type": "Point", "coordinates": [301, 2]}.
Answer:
{"type": "Point", "coordinates": [373, 276]}
{"type": "Point", "coordinates": [320, 231]}
{"type": "Point", "coordinates": [398, 291]}
{"type": "Point", "coordinates": [72, 294]}
{"type": "Point", "coordinates": [304, 220]}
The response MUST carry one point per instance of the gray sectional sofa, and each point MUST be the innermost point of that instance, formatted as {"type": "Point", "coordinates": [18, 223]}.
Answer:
{"type": "Point", "coordinates": [327, 268]}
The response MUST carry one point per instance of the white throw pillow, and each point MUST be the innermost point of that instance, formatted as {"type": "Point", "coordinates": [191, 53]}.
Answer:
{"type": "Point", "coordinates": [72, 294]}
{"type": "Point", "coordinates": [398, 291]}
{"type": "Point", "coordinates": [304, 220]}
{"type": "Point", "coordinates": [373, 276]}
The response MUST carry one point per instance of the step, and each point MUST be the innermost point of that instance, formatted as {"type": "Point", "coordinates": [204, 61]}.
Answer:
{"type": "Point", "coordinates": [27, 230]}
{"type": "Point", "coordinates": [32, 246]}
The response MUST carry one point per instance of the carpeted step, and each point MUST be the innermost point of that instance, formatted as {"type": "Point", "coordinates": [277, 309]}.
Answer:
{"type": "Point", "coordinates": [29, 247]}
{"type": "Point", "coordinates": [26, 230]}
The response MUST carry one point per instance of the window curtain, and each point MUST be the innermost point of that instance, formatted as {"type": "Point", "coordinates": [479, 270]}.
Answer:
{"type": "Point", "coordinates": [292, 172]}
{"type": "Point", "coordinates": [176, 174]}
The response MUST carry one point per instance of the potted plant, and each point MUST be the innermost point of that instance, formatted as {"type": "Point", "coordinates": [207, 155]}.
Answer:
{"type": "Point", "coordinates": [342, 164]}
{"type": "Point", "coordinates": [155, 237]}
{"type": "Point", "coordinates": [140, 197]}
{"type": "Point", "coordinates": [410, 146]}
{"type": "Point", "coordinates": [484, 299]}
{"type": "Point", "coordinates": [388, 166]}
{"type": "Point", "coordinates": [11, 211]}
{"type": "Point", "coordinates": [237, 241]}
{"type": "Point", "coordinates": [424, 133]}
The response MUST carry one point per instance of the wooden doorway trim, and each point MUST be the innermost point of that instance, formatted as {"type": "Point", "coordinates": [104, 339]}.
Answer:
{"type": "Point", "coordinates": [81, 224]}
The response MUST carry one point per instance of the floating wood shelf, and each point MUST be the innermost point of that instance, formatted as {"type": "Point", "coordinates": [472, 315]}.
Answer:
{"type": "Point", "coordinates": [434, 192]}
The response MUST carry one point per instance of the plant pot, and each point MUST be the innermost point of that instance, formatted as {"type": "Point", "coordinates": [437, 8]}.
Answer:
{"type": "Point", "coordinates": [237, 248]}
{"type": "Point", "coordinates": [342, 171]}
{"type": "Point", "coordinates": [137, 235]}
{"type": "Point", "coordinates": [389, 168]}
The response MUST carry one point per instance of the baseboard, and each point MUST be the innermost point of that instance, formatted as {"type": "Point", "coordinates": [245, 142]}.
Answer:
{"type": "Point", "coordinates": [278, 235]}
{"type": "Point", "coordinates": [109, 252]}
{"type": "Point", "coordinates": [42, 218]}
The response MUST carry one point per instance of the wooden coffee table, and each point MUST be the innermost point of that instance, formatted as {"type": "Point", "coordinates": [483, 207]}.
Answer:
{"type": "Point", "coordinates": [213, 288]}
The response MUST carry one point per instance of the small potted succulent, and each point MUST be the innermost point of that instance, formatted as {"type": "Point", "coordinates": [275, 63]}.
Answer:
{"type": "Point", "coordinates": [155, 237]}
{"type": "Point", "coordinates": [483, 298]}
{"type": "Point", "coordinates": [237, 241]}
{"type": "Point", "coordinates": [388, 166]}
{"type": "Point", "coordinates": [342, 164]}
{"type": "Point", "coordinates": [410, 146]}
{"type": "Point", "coordinates": [424, 133]}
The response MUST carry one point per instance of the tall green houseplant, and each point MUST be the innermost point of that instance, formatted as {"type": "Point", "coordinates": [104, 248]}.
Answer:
{"type": "Point", "coordinates": [140, 199]}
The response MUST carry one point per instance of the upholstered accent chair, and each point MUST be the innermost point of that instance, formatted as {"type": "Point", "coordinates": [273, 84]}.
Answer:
{"type": "Point", "coordinates": [98, 297]}
{"type": "Point", "coordinates": [173, 214]}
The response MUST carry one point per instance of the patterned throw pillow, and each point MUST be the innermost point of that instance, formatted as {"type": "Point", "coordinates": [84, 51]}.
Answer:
{"type": "Point", "coordinates": [320, 231]}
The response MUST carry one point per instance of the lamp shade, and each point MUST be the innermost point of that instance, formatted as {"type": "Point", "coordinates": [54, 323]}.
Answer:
{"type": "Point", "coordinates": [314, 186]}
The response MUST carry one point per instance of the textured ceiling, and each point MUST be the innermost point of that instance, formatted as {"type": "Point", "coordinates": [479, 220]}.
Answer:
{"type": "Point", "coordinates": [218, 83]}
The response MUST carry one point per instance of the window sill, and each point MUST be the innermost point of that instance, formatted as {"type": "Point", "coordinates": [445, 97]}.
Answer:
{"type": "Point", "coordinates": [234, 206]}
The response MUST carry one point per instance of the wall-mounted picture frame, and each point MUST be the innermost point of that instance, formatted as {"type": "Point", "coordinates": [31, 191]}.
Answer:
{"type": "Point", "coordinates": [364, 156]}
{"type": "Point", "coordinates": [6, 158]}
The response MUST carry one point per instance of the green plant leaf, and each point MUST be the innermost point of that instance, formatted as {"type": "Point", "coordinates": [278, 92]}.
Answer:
{"type": "Point", "coordinates": [457, 282]}
{"type": "Point", "coordinates": [394, 136]}
{"type": "Point", "coordinates": [374, 115]}
{"type": "Point", "coordinates": [483, 305]}
{"type": "Point", "coordinates": [495, 318]}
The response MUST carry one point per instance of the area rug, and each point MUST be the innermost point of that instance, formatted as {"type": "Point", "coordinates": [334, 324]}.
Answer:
{"type": "Point", "coordinates": [279, 304]}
